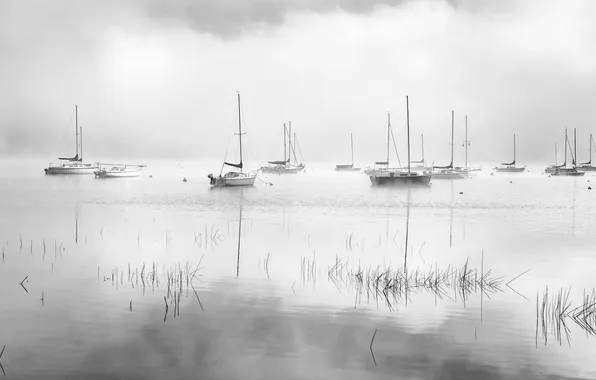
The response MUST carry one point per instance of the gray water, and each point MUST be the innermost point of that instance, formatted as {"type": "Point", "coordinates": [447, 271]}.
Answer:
{"type": "Point", "coordinates": [318, 276]}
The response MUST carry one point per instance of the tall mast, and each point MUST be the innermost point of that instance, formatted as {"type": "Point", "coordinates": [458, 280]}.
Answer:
{"type": "Point", "coordinates": [452, 113]}
{"type": "Point", "coordinates": [514, 149]}
{"type": "Point", "coordinates": [574, 146]}
{"type": "Point", "coordinates": [76, 130]}
{"type": "Point", "coordinates": [565, 146]}
{"type": "Point", "coordinates": [466, 141]}
{"type": "Point", "coordinates": [240, 132]}
{"type": "Point", "coordinates": [285, 138]}
{"type": "Point", "coordinates": [556, 163]}
{"type": "Point", "coordinates": [290, 139]}
{"type": "Point", "coordinates": [422, 136]}
{"type": "Point", "coordinates": [81, 158]}
{"type": "Point", "coordinates": [590, 148]}
{"type": "Point", "coordinates": [388, 135]}
{"type": "Point", "coordinates": [408, 127]}
{"type": "Point", "coordinates": [352, 147]}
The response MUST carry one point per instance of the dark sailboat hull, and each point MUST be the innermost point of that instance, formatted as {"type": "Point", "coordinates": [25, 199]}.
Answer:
{"type": "Point", "coordinates": [400, 179]}
{"type": "Point", "coordinates": [586, 168]}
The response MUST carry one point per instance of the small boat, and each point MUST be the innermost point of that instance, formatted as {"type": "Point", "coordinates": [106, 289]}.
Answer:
{"type": "Point", "coordinates": [400, 177]}
{"type": "Point", "coordinates": [119, 170]}
{"type": "Point", "coordinates": [286, 166]}
{"type": "Point", "coordinates": [420, 165]}
{"type": "Point", "coordinates": [449, 172]}
{"type": "Point", "coordinates": [552, 168]}
{"type": "Point", "coordinates": [380, 167]}
{"type": "Point", "coordinates": [587, 166]}
{"type": "Point", "coordinates": [73, 165]}
{"type": "Point", "coordinates": [468, 169]}
{"type": "Point", "coordinates": [348, 167]}
{"type": "Point", "coordinates": [509, 167]}
{"type": "Point", "coordinates": [572, 171]}
{"type": "Point", "coordinates": [234, 178]}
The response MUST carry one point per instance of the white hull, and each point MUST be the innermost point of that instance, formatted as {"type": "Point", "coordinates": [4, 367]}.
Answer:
{"type": "Point", "coordinates": [117, 174]}
{"type": "Point", "coordinates": [72, 169]}
{"type": "Point", "coordinates": [283, 170]}
{"type": "Point", "coordinates": [233, 182]}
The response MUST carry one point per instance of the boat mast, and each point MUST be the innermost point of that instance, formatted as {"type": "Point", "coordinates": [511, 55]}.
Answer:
{"type": "Point", "coordinates": [574, 146]}
{"type": "Point", "coordinates": [466, 142]}
{"type": "Point", "coordinates": [76, 130]}
{"type": "Point", "coordinates": [556, 163]}
{"type": "Point", "coordinates": [514, 149]}
{"type": "Point", "coordinates": [289, 139]}
{"type": "Point", "coordinates": [352, 147]}
{"type": "Point", "coordinates": [422, 136]}
{"type": "Point", "coordinates": [408, 128]}
{"type": "Point", "coordinates": [285, 138]}
{"type": "Point", "coordinates": [388, 135]}
{"type": "Point", "coordinates": [590, 143]}
{"type": "Point", "coordinates": [240, 132]}
{"type": "Point", "coordinates": [452, 117]}
{"type": "Point", "coordinates": [566, 147]}
{"type": "Point", "coordinates": [81, 158]}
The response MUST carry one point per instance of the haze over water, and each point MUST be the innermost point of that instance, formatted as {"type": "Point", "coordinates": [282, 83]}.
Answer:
{"type": "Point", "coordinates": [299, 297]}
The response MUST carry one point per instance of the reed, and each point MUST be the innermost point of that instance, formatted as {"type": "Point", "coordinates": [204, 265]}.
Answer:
{"type": "Point", "coordinates": [2, 353]}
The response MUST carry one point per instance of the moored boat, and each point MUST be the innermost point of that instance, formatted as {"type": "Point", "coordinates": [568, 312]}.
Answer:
{"type": "Point", "coordinates": [587, 166]}
{"type": "Point", "coordinates": [118, 170]}
{"type": "Point", "coordinates": [287, 166]}
{"type": "Point", "coordinates": [348, 167]}
{"type": "Point", "coordinates": [572, 171]}
{"type": "Point", "coordinates": [234, 178]}
{"type": "Point", "coordinates": [509, 167]}
{"type": "Point", "coordinates": [448, 171]}
{"type": "Point", "coordinates": [73, 165]}
{"type": "Point", "coordinates": [400, 177]}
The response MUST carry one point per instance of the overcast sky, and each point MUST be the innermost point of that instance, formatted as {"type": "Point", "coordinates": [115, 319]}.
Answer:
{"type": "Point", "coordinates": [159, 78]}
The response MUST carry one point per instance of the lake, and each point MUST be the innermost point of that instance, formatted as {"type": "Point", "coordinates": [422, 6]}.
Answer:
{"type": "Point", "coordinates": [318, 276]}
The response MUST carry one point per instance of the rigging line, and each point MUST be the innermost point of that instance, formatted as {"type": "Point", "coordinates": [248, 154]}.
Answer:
{"type": "Point", "coordinates": [394, 144]}
{"type": "Point", "coordinates": [299, 149]}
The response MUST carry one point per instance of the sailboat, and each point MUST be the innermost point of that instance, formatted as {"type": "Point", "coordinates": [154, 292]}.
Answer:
{"type": "Point", "coordinates": [287, 166]}
{"type": "Point", "coordinates": [382, 166]}
{"type": "Point", "coordinates": [73, 165]}
{"type": "Point", "coordinates": [421, 164]}
{"type": "Point", "coordinates": [449, 172]}
{"type": "Point", "coordinates": [551, 168]}
{"type": "Point", "coordinates": [400, 177]}
{"type": "Point", "coordinates": [234, 178]}
{"type": "Point", "coordinates": [509, 167]}
{"type": "Point", "coordinates": [466, 143]}
{"type": "Point", "coordinates": [572, 171]}
{"type": "Point", "coordinates": [348, 167]}
{"type": "Point", "coordinates": [587, 166]}
{"type": "Point", "coordinates": [118, 170]}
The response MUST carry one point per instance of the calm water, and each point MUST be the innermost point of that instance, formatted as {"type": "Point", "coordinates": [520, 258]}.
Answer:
{"type": "Point", "coordinates": [156, 278]}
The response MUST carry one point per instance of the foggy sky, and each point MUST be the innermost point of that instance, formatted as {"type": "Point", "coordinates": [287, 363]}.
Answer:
{"type": "Point", "coordinates": [159, 79]}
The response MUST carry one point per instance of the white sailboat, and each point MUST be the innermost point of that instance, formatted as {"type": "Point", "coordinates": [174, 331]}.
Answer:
{"type": "Point", "coordinates": [449, 172]}
{"type": "Point", "coordinates": [468, 169]}
{"type": "Point", "coordinates": [348, 167]}
{"type": "Point", "coordinates": [421, 164]}
{"type": "Point", "coordinates": [118, 170]}
{"type": "Point", "coordinates": [383, 166]}
{"type": "Point", "coordinates": [234, 178]}
{"type": "Point", "coordinates": [552, 168]}
{"type": "Point", "coordinates": [572, 171]}
{"type": "Point", "coordinates": [73, 165]}
{"type": "Point", "coordinates": [287, 166]}
{"type": "Point", "coordinates": [509, 167]}
{"type": "Point", "coordinates": [587, 166]}
{"type": "Point", "coordinates": [400, 177]}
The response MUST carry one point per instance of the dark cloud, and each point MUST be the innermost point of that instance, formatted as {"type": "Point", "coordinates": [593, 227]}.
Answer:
{"type": "Point", "coordinates": [231, 18]}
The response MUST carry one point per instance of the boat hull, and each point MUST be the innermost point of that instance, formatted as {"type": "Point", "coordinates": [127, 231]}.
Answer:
{"type": "Point", "coordinates": [117, 174]}
{"type": "Point", "coordinates": [233, 182]}
{"type": "Point", "coordinates": [397, 179]}
{"type": "Point", "coordinates": [72, 170]}
{"type": "Point", "coordinates": [586, 168]}
{"type": "Point", "coordinates": [449, 175]}
{"type": "Point", "coordinates": [568, 174]}
{"type": "Point", "coordinates": [347, 169]}
{"type": "Point", "coordinates": [291, 170]}
{"type": "Point", "coordinates": [510, 170]}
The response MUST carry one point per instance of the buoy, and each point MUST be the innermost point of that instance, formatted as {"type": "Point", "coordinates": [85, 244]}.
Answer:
{"type": "Point", "coordinates": [150, 176]}
{"type": "Point", "coordinates": [184, 179]}
{"type": "Point", "coordinates": [461, 192]}
{"type": "Point", "coordinates": [510, 181]}
{"type": "Point", "coordinates": [589, 187]}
